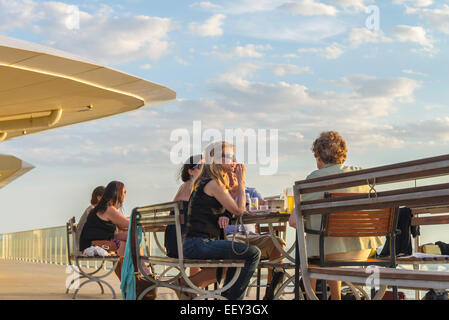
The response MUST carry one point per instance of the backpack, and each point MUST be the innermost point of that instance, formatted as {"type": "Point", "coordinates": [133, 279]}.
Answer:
{"type": "Point", "coordinates": [436, 295]}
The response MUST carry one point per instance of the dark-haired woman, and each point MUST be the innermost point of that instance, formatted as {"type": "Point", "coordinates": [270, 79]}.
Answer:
{"type": "Point", "coordinates": [190, 170]}
{"type": "Point", "coordinates": [105, 221]}
{"type": "Point", "coordinates": [97, 193]}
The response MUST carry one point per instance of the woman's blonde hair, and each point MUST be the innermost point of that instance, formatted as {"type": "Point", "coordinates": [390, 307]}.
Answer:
{"type": "Point", "coordinates": [212, 167]}
{"type": "Point", "coordinates": [330, 147]}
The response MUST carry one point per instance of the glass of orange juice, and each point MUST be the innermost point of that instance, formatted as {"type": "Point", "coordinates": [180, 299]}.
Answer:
{"type": "Point", "coordinates": [290, 199]}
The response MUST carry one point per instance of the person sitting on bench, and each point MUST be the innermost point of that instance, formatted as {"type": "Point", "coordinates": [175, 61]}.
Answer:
{"type": "Point", "coordinates": [330, 152]}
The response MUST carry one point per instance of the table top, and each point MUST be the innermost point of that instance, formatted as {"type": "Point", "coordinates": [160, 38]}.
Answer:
{"type": "Point", "coordinates": [267, 216]}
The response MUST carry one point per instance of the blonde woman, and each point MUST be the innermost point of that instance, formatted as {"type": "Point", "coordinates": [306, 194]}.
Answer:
{"type": "Point", "coordinates": [210, 209]}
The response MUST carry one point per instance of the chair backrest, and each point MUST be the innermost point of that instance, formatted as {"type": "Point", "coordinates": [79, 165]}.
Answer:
{"type": "Point", "coordinates": [435, 217]}
{"type": "Point", "coordinates": [154, 219]}
{"type": "Point", "coordinates": [431, 195]}
{"type": "Point", "coordinates": [363, 223]}
{"type": "Point", "coordinates": [71, 237]}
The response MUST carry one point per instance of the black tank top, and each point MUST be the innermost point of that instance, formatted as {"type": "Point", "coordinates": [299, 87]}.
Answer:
{"type": "Point", "coordinates": [203, 214]}
{"type": "Point", "coordinates": [96, 229]}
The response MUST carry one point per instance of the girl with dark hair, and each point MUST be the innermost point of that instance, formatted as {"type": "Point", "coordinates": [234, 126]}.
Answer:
{"type": "Point", "coordinates": [189, 171]}
{"type": "Point", "coordinates": [105, 221]}
{"type": "Point", "coordinates": [96, 197]}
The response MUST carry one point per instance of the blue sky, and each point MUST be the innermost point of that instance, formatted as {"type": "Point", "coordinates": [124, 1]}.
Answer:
{"type": "Point", "coordinates": [299, 66]}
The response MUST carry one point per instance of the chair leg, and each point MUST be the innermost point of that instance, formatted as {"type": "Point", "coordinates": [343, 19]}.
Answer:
{"type": "Point", "coordinates": [258, 285]}
{"type": "Point", "coordinates": [296, 268]}
{"type": "Point", "coordinates": [395, 293]}
{"type": "Point", "coordinates": [323, 290]}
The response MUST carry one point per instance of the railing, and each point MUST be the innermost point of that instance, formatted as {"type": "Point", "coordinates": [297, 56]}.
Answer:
{"type": "Point", "coordinates": [48, 246]}
{"type": "Point", "coordinates": [41, 246]}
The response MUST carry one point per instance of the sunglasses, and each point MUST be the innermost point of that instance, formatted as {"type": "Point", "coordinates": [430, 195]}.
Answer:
{"type": "Point", "coordinates": [228, 156]}
{"type": "Point", "coordinates": [198, 166]}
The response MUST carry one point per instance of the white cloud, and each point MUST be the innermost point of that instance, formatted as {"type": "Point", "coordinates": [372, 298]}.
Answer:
{"type": "Point", "coordinates": [356, 5]}
{"type": "Point", "coordinates": [436, 129]}
{"type": "Point", "coordinates": [246, 51]}
{"type": "Point", "coordinates": [210, 28]}
{"type": "Point", "coordinates": [309, 8]}
{"type": "Point", "coordinates": [368, 97]}
{"type": "Point", "coordinates": [250, 50]}
{"type": "Point", "coordinates": [238, 7]}
{"type": "Point", "coordinates": [411, 72]}
{"type": "Point", "coordinates": [360, 36]}
{"type": "Point", "coordinates": [146, 66]}
{"type": "Point", "coordinates": [110, 38]}
{"type": "Point", "coordinates": [437, 18]}
{"type": "Point", "coordinates": [416, 3]}
{"type": "Point", "coordinates": [399, 33]}
{"type": "Point", "coordinates": [417, 34]}
{"type": "Point", "coordinates": [331, 52]}
{"type": "Point", "coordinates": [284, 69]}
{"type": "Point", "coordinates": [287, 28]}
{"type": "Point", "coordinates": [207, 5]}
{"type": "Point", "coordinates": [369, 87]}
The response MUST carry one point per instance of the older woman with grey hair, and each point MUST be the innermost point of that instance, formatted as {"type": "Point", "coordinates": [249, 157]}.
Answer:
{"type": "Point", "coordinates": [330, 153]}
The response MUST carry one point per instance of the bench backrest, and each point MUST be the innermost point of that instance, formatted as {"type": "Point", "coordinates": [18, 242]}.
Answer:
{"type": "Point", "coordinates": [156, 218]}
{"type": "Point", "coordinates": [434, 219]}
{"type": "Point", "coordinates": [363, 223]}
{"type": "Point", "coordinates": [71, 237]}
{"type": "Point", "coordinates": [432, 195]}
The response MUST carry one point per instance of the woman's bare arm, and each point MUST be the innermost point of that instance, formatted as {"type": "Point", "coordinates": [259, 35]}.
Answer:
{"type": "Point", "coordinates": [220, 193]}
{"type": "Point", "coordinates": [117, 218]}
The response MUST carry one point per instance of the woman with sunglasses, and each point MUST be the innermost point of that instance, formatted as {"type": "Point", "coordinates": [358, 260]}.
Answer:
{"type": "Point", "coordinates": [210, 208]}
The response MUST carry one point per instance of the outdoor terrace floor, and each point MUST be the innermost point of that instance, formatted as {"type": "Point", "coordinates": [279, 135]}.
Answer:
{"type": "Point", "coordinates": [36, 281]}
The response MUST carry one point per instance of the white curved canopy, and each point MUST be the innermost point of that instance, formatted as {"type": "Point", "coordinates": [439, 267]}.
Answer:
{"type": "Point", "coordinates": [11, 168]}
{"type": "Point", "coordinates": [43, 88]}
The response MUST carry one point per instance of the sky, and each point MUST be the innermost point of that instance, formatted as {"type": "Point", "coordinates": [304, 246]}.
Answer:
{"type": "Point", "coordinates": [375, 71]}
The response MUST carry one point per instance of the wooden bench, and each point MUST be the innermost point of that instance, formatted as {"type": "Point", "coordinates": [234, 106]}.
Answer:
{"type": "Point", "coordinates": [149, 221]}
{"type": "Point", "coordinates": [75, 259]}
{"type": "Point", "coordinates": [432, 195]}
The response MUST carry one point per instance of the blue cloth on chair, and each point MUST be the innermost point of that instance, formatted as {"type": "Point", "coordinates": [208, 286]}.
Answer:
{"type": "Point", "coordinates": [128, 284]}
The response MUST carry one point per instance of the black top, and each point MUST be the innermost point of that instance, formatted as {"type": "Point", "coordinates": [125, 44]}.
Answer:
{"type": "Point", "coordinates": [96, 229]}
{"type": "Point", "coordinates": [203, 214]}
{"type": "Point", "coordinates": [170, 242]}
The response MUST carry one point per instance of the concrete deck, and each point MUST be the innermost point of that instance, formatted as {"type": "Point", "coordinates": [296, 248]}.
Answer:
{"type": "Point", "coordinates": [36, 281]}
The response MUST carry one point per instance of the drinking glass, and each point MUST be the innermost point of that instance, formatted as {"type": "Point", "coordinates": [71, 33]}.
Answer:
{"type": "Point", "coordinates": [254, 204]}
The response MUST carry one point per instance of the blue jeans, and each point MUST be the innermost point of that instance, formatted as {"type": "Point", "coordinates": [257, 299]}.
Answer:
{"type": "Point", "coordinates": [200, 248]}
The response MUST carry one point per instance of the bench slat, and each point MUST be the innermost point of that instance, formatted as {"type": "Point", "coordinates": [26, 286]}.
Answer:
{"type": "Point", "coordinates": [423, 168]}
{"type": "Point", "coordinates": [429, 197]}
{"type": "Point", "coordinates": [426, 221]}
{"type": "Point", "coordinates": [188, 262]}
{"type": "Point", "coordinates": [384, 273]}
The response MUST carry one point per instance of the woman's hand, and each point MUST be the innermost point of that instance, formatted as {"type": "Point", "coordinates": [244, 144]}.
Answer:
{"type": "Point", "coordinates": [223, 222]}
{"type": "Point", "coordinates": [240, 173]}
